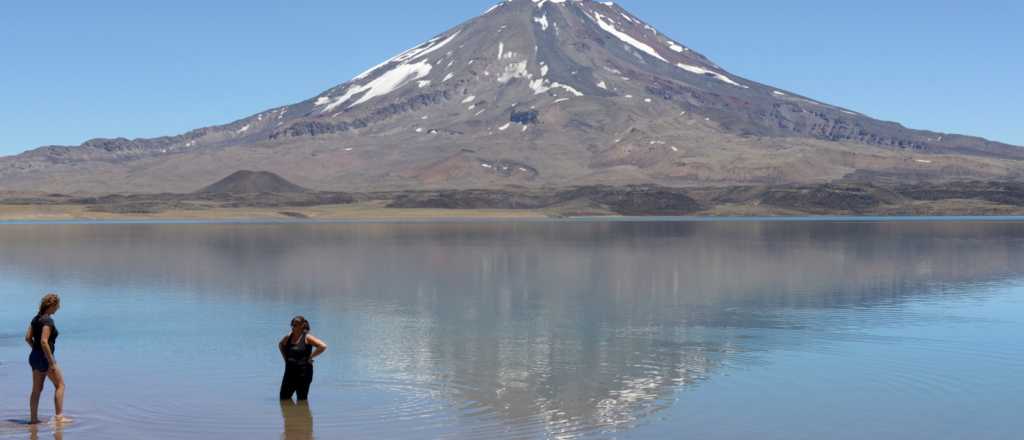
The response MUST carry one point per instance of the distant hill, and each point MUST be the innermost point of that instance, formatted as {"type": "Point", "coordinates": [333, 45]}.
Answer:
{"type": "Point", "coordinates": [252, 182]}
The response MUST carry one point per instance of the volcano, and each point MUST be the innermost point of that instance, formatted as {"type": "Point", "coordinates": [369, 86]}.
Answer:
{"type": "Point", "coordinates": [253, 182]}
{"type": "Point", "coordinates": [532, 93]}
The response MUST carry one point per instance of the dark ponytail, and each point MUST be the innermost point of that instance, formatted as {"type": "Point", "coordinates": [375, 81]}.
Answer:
{"type": "Point", "coordinates": [301, 320]}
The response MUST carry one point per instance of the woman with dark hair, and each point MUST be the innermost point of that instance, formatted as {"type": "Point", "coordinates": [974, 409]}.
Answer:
{"type": "Point", "coordinates": [42, 337]}
{"type": "Point", "coordinates": [298, 349]}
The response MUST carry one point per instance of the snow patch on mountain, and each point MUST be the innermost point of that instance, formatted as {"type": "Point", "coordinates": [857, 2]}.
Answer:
{"type": "Point", "coordinates": [386, 83]}
{"type": "Point", "coordinates": [514, 70]}
{"type": "Point", "coordinates": [713, 74]}
{"type": "Point", "coordinates": [543, 21]}
{"type": "Point", "coordinates": [412, 54]}
{"type": "Point", "coordinates": [540, 3]}
{"type": "Point", "coordinates": [542, 85]}
{"type": "Point", "coordinates": [608, 25]}
{"type": "Point", "coordinates": [539, 85]}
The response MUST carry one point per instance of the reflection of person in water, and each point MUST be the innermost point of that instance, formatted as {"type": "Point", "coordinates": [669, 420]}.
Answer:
{"type": "Point", "coordinates": [298, 420]}
{"type": "Point", "coordinates": [297, 349]}
{"type": "Point", "coordinates": [58, 431]}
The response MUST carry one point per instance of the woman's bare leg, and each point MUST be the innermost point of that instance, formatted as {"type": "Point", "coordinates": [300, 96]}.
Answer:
{"type": "Point", "coordinates": [38, 381]}
{"type": "Point", "coordinates": [58, 396]}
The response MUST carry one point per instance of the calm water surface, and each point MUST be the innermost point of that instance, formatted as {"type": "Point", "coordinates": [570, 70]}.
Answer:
{"type": "Point", "coordinates": [704, 330]}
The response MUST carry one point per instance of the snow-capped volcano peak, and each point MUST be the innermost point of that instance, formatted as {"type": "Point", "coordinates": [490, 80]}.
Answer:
{"type": "Point", "coordinates": [528, 40]}
{"type": "Point", "coordinates": [548, 92]}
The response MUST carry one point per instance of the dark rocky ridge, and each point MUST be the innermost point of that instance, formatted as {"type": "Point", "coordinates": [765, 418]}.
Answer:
{"type": "Point", "coordinates": [1007, 193]}
{"type": "Point", "coordinates": [156, 203]}
{"type": "Point", "coordinates": [956, 198]}
{"type": "Point", "coordinates": [631, 200]}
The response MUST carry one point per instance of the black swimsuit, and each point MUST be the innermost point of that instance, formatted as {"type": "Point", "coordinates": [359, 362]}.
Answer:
{"type": "Point", "coordinates": [37, 359]}
{"type": "Point", "coordinates": [298, 369]}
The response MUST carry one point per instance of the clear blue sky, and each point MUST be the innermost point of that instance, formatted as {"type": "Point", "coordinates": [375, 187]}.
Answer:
{"type": "Point", "coordinates": [75, 70]}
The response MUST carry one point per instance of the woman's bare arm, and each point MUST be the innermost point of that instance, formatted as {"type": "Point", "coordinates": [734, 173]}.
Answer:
{"type": "Point", "coordinates": [281, 346]}
{"type": "Point", "coordinates": [28, 336]}
{"type": "Point", "coordinates": [321, 347]}
{"type": "Point", "coordinates": [44, 341]}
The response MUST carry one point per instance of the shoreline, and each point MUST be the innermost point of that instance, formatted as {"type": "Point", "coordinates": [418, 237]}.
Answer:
{"type": "Point", "coordinates": [328, 213]}
{"type": "Point", "coordinates": [361, 213]}
{"type": "Point", "coordinates": [638, 203]}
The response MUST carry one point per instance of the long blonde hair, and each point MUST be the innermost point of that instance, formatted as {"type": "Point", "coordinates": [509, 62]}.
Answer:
{"type": "Point", "coordinates": [49, 300]}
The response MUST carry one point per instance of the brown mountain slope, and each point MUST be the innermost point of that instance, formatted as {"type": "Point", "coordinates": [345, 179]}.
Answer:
{"type": "Point", "coordinates": [532, 93]}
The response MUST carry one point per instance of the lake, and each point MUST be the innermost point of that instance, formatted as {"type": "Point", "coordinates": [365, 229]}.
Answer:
{"type": "Point", "coordinates": [552, 329]}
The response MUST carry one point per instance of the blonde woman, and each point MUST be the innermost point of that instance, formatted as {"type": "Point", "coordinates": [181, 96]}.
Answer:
{"type": "Point", "coordinates": [42, 337]}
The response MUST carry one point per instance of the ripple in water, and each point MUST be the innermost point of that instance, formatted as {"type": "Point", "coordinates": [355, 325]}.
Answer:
{"type": "Point", "coordinates": [18, 428]}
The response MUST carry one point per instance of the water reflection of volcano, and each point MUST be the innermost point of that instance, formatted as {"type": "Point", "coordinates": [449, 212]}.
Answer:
{"type": "Point", "coordinates": [648, 265]}
{"type": "Point", "coordinates": [545, 327]}
{"type": "Point", "coordinates": [552, 380]}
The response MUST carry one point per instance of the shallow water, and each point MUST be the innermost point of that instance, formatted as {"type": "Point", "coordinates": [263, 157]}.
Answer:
{"type": "Point", "coordinates": [773, 330]}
